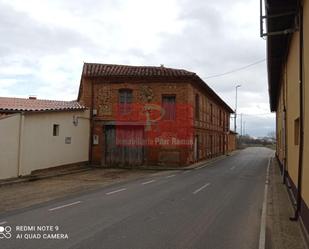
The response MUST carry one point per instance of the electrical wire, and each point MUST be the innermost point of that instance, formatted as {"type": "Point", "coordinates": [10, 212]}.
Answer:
{"type": "Point", "coordinates": [235, 70]}
{"type": "Point", "coordinates": [258, 114]}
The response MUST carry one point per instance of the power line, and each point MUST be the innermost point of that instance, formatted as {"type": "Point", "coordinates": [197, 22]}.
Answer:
{"type": "Point", "coordinates": [236, 70]}
{"type": "Point", "coordinates": [255, 115]}
{"type": "Point", "coordinates": [258, 114]}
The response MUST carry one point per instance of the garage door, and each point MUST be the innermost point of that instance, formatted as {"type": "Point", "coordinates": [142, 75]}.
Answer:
{"type": "Point", "coordinates": [123, 146]}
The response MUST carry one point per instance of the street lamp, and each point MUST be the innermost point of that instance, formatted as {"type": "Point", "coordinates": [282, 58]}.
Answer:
{"type": "Point", "coordinates": [235, 126]}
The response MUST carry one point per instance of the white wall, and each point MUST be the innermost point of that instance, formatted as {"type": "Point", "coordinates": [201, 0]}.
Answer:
{"type": "Point", "coordinates": [39, 149]}
{"type": "Point", "coordinates": [9, 144]}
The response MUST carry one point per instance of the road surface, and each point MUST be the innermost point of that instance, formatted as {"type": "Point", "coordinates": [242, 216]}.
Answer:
{"type": "Point", "coordinates": [214, 207]}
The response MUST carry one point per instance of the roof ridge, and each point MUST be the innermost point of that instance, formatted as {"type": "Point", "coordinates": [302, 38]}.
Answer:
{"type": "Point", "coordinates": [55, 100]}
{"type": "Point", "coordinates": [136, 67]}
{"type": "Point", "coordinates": [97, 70]}
{"type": "Point", "coordinates": [14, 104]}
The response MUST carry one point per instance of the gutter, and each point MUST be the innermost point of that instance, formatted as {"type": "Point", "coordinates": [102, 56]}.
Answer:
{"type": "Point", "coordinates": [13, 111]}
{"type": "Point", "coordinates": [301, 116]}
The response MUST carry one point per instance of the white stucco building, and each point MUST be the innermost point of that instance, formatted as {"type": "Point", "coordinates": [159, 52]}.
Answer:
{"type": "Point", "coordinates": [38, 134]}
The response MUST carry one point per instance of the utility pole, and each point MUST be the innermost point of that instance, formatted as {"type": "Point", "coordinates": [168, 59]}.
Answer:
{"type": "Point", "coordinates": [241, 133]}
{"type": "Point", "coordinates": [235, 121]}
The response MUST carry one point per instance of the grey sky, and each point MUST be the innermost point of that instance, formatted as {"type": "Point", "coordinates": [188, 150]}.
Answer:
{"type": "Point", "coordinates": [45, 42]}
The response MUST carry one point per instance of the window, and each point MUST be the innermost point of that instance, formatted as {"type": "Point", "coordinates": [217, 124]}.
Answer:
{"type": "Point", "coordinates": [211, 114]}
{"type": "Point", "coordinates": [55, 130]}
{"type": "Point", "coordinates": [125, 101]}
{"type": "Point", "coordinates": [227, 126]}
{"type": "Point", "coordinates": [197, 107]}
{"type": "Point", "coordinates": [296, 131]}
{"type": "Point", "coordinates": [169, 106]}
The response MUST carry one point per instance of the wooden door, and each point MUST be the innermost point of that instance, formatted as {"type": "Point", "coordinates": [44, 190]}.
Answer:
{"type": "Point", "coordinates": [196, 148]}
{"type": "Point", "coordinates": [119, 154]}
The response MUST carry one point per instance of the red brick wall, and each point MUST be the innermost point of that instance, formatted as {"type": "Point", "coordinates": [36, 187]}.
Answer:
{"type": "Point", "coordinates": [211, 129]}
{"type": "Point", "coordinates": [106, 93]}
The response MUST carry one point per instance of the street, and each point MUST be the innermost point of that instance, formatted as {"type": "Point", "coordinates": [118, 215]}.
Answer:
{"type": "Point", "coordinates": [214, 207]}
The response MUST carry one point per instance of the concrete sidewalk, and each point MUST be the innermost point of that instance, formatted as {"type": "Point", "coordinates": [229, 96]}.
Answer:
{"type": "Point", "coordinates": [78, 168]}
{"type": "Point", "coordinates": [281, 232]}
{"type": "Point", "coordinates": [47, 173]}
{"type": "Point", "coordinates": [198, 164]}
{"type": "Point", "coordinates": [28, 193]}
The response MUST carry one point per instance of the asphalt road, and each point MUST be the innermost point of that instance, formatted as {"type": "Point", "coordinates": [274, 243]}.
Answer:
{"type": "Point", "coordinates": [217, 206]}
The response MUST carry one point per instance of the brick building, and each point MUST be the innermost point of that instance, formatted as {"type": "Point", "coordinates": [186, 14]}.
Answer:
{"type": "Point", "coordinates": [188, 121]}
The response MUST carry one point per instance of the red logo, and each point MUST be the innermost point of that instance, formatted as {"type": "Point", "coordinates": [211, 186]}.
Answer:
{"type": "Point", "coordinates": [154, 124]}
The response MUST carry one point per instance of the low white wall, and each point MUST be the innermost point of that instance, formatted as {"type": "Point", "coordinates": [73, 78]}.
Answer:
{"type": "Point", "coordinates": [40, 149]}
{"type": "Point", "coordinates": [9, 145]}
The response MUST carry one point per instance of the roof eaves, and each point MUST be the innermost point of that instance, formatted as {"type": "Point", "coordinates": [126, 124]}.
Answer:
{"type": "Point", "coordinates": [42, 110]}
{"type": "Point", "coordinates": [277, 45]}
{"type": "Point", "coordinates": [213, 93]}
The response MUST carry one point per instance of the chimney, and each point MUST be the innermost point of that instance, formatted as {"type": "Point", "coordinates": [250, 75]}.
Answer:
{"type": "Point", "coordinates": [162, 65]}
{"type": "Point", "coordinates": [32, 97]}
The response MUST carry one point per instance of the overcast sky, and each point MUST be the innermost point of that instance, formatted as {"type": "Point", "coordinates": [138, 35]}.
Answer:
{"type": "Point", "coordinates": [45, 42]}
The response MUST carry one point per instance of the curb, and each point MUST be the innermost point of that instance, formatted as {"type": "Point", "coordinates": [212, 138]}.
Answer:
{"type": "Point", "coordinates": [304, 233]}
{"type": "Point", "coordinates": [35, 177]}
{"type": "Point", "coordinates": [262, 239]}
{"type": "Point", "coordinates": [203, 163]}
{"type": "Point", "coordinates": [31, 178]}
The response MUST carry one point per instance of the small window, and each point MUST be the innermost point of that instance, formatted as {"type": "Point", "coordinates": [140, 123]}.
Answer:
{"type": "Point", "coordinates": [125, 101]}
{"type": "Point", "coordinates": [197, 107]}
{"type": "Point", "coordinates": [169, 106]}
{"type": "Point", "coordinates": [296, 131]}
{"type": "Point", "coordinates": [55, 130]}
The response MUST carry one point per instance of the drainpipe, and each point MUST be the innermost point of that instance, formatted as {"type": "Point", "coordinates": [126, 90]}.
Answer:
{"type": "Point", "coordinates": [301, 117]}
{"type": "Point", "coordinates": [285, 135]}
{"type": "Point", "coordinates": [284, 169]}
{"type": "Point", "coordinates": [285, 106]}
{"type": "Point", "coordinates": [20, 142]}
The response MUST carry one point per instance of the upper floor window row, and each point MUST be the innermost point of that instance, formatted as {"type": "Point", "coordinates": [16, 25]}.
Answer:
{"type": "Point", "coordinates": [216, 114]}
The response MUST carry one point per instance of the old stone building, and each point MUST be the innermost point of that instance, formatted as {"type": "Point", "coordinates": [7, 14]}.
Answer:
{"type": "Point", "coordinates": [152, 115]}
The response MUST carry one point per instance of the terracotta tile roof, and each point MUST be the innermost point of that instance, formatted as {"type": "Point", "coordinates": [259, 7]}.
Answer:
{"type": "Point", "coordinates": [37, 105]}
{"type": "Point", "coordinates": [112, 70]}
{"type": "Point", "coordinates": [100, 70]}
